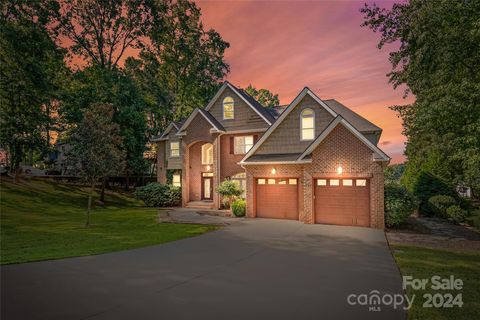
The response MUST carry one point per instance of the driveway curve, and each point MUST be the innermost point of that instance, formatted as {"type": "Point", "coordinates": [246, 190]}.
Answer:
{"type": "Point", "coordinates": [252, 269]}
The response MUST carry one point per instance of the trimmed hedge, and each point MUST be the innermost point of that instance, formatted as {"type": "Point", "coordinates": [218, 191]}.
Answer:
{"type": "Point", "coordinates": [440, 203]}
{"type": "Point", "coordinates": [456, 214]}
{"type": "Point", "coordinates": [239, 208]}
{"type": "Point", "coordinates": [399, 204]}
{"type": "Point", "coordinates": [159, 195]}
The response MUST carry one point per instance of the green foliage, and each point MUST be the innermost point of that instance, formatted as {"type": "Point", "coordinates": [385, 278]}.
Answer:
{"type": "Point", "coordinates": [440, 203]}
{"type": "Point", "coordinates": [230, 190]}
{"type": "Point", "coordinates": [438, 59]}
{"type": "Point", "coordinates": [456, 213]}
{"type": "Point", "coordinates": [239, 208]}
{"type": "Point", "coordinates": [394, 173]}
{"type": "Point", "coordinates": [96, 144]}
{"type": "Point", "coordinates": [263, 96]}
{"type": "Point", "coordinates": [426, 186]}
{"type": "Point", "coordinates": [93, 85]}
{"type": "Point", "coordinates": [31, 73]}
{"type": "Point", "coordinates": [101, 31]}
{"type": "Point", "coordinates": [399, 204]}
{"type": "Point", "coordinates": [184, 65]}
{"type": "Point", "coordinates": [474, 219]}
{"type": "Point", "coordinates": [159, 195]}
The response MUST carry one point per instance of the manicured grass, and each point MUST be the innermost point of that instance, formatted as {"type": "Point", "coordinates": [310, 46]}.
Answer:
{"type": "Point", "coordinates": [45, 220]}
{"type": "Point", "coordinates": [424, 263]}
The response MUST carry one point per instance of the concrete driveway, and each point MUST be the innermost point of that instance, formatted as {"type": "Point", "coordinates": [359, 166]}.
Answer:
{"type": "Point", "coordinates": [253, 269]}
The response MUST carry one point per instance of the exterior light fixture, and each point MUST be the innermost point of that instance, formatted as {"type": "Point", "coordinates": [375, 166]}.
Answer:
{"type": "Point", "coordinates": [274, 171]}
{"type": "Point", "coordinates": [208, 168]}
{"type": "Point", "coordinates": [339, 170]}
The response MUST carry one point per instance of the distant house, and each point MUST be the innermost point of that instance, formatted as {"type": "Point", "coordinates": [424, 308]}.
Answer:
{"type": "Point", "coordinates": [315, 160]}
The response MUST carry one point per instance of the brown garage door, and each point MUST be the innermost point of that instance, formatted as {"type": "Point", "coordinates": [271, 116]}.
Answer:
{"type": "Point", "coordinates": [342, 201]}
{"type": "Point", "coordinates": [277, 198]}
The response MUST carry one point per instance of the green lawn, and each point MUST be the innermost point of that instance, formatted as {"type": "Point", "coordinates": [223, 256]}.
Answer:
{"type": "Point", "coordinates": [425, 263]}
{"type": "Point", "coordinates": [45, 220]}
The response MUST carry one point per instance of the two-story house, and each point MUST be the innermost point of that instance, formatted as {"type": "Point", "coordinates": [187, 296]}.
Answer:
{"type": "Point", "coordinates": [314, 160]}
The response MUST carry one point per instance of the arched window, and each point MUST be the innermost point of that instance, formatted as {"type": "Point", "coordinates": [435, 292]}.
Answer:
{"type": "Point", "coordinates": [228, 108]}
{"type": "Point", "coordinates": [207, 153]}
{"type": "Point", "coordinates": [307, 123]}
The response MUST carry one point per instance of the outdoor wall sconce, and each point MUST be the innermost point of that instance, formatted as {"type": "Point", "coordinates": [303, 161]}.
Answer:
{"type": "Point", "coordinates": [274, 171]}
{"type": "Point", "coordinates": [339, 170]}
{"type": "Point", "coordinates": [208, 168]}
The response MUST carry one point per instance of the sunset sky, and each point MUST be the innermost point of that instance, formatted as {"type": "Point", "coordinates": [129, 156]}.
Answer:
{"type": "Point", "coordinates": [286, 45]}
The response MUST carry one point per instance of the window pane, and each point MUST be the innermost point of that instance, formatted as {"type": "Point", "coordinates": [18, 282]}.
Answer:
{"type": "Point", "coordinates": [239, 145]}
{"type": "Point", "coordinates": [307, 123]}
{"type": "Point", "coordinates": [361, 183]}
{"type": "Point", "coordinates": [261, 181]}
{"type": "Point", "coordinates": [347, 182]}
{"type": "Point", "coordinates": [248, 143]}
{"type": "Point", "coordinates": [228, 108]}
{"type": "Point", "coordinates": [207, 153]}
{"type": "Point", "coordinates": [176, 180]}
{"type": "Point", "coordinates": [321, 182]}
{"type": "Point", "coordinates": [271, 181]}
{"type": "Point", "coordinates": [207, 174]}
{"type": "Point", "coordinates": [334, 182]}
{"type": "Point", "coordinates": [307, 134]}
{"type": "Point", "coordinates": [174, 149]}
{"type": "Point", "coordinates": [307, 112]}
{"type": "Point", "coordinates": [292, 181]}
{"type": "Point", "coordinates": [282, 181]}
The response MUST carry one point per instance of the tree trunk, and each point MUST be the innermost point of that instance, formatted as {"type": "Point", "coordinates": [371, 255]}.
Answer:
{"type": "Point", "coordinates": [89, 207]}
{"type": "Point", "coordinates": [102, 193]}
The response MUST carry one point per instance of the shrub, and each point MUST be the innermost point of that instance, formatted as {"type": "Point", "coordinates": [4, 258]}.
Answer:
{"type": "Point", "coordinates": [427, 185]}
{"type": "Point", "coordinates": [440, 203]}
{"type": "Point", "coordinates": [456, 214]}
{"type": "Point", "coordinates": [399, 204]}
{"type": "Point", "coordinates": [239, 208]}
{"type": "Point", "coordinates": [159, 195]}
{"type": "Point", "coordinates": [230, 190]}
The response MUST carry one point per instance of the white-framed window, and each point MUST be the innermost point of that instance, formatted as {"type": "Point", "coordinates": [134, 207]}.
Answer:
{"type": "Point", "coordinates": [174, 149]}
{"type": "Point", "coordinates": [261, 181]}
{"type": "Point", "coordinates": [292, 181]}
{"type": "Point", "coordinates": [177, 180]}
{"type": "Point", "coordinates": [228, 108]}
{"type": "Point", "coordinates": [242, 144]}
{"type": "Point", "coordinates": [321, 182]}
{"type": "Point", "coordinates": [282, 181]}
{"type": "Point", "coordinates": [241, 180]}
{"type": "Point", "coordinates": [347, 182]}
{"type": "Point", "coordinates": [207, 153]}
{"type": "Point", "coordinates": [361, 182]}
{"type": "Point", "coordinates": [271, 181]}
{"type": "Point", "coordinates": [334, 182]}
{"type": "Point", "coordinates": [307, 124]}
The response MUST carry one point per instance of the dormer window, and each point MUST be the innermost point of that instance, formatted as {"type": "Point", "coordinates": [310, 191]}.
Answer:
{"type": "Point", "coordinates": [228, 108]}
{"type": "Point", "coordinates": [307, 123]}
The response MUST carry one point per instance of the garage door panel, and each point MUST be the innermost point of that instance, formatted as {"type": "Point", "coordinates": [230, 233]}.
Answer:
{"type": "Point", "coordinates": [277, 201]}
{"type": "Point", "coordinates": [345, 204]}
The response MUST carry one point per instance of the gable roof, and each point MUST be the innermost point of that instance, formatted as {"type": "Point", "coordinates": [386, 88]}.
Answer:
{"type": "Point", "coordinates": [379, 155]}
{"type": "Point", "coordinates": [359, 122]}
{"type": "Point", "coordinates": [213, 122]}
{"type": "Point", "coordinates": [282, 117]}
{"type": "Point", "coordinates": [249, 100]}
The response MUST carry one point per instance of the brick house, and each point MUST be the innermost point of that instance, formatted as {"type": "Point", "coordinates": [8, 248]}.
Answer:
{"type": "Point", "coordinates": [314, 160]}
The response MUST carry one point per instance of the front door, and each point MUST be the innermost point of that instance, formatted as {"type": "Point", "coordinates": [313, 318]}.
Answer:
{"type": "Point", "coordinates": [207, 188]}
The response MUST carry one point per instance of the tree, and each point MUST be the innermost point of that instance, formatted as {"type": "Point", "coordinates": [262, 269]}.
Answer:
{"type": "Point", "coordinates": [264, 96]}
{"type": "Point", "coordinates": [96, 147]}
{"type": "Point", "coordinates": [112, 86]}
{"type": "Point", "coordinates": [438, 60]}
{"type": "Point", "coordinates": [103, 31]}
{"type": "Point", "coordinates": [230, 190]}
{"type": "Point", "coordinates": [31, 73]}
{"type": "Point", "coordinates": [184, 64]}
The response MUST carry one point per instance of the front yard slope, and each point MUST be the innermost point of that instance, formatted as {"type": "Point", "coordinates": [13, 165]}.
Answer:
{"type": "Point", "coordinates": [45, 220]}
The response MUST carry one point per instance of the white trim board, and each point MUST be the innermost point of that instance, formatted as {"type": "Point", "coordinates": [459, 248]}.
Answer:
{"type": "Point", "coordinates": [284, 114]}
{"type": "Point", "coordinates": [190, 119]}
{"type": "Point", "coordinates": [228, 85]}
{"type": "Point", "coordinates": [339, 120]}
